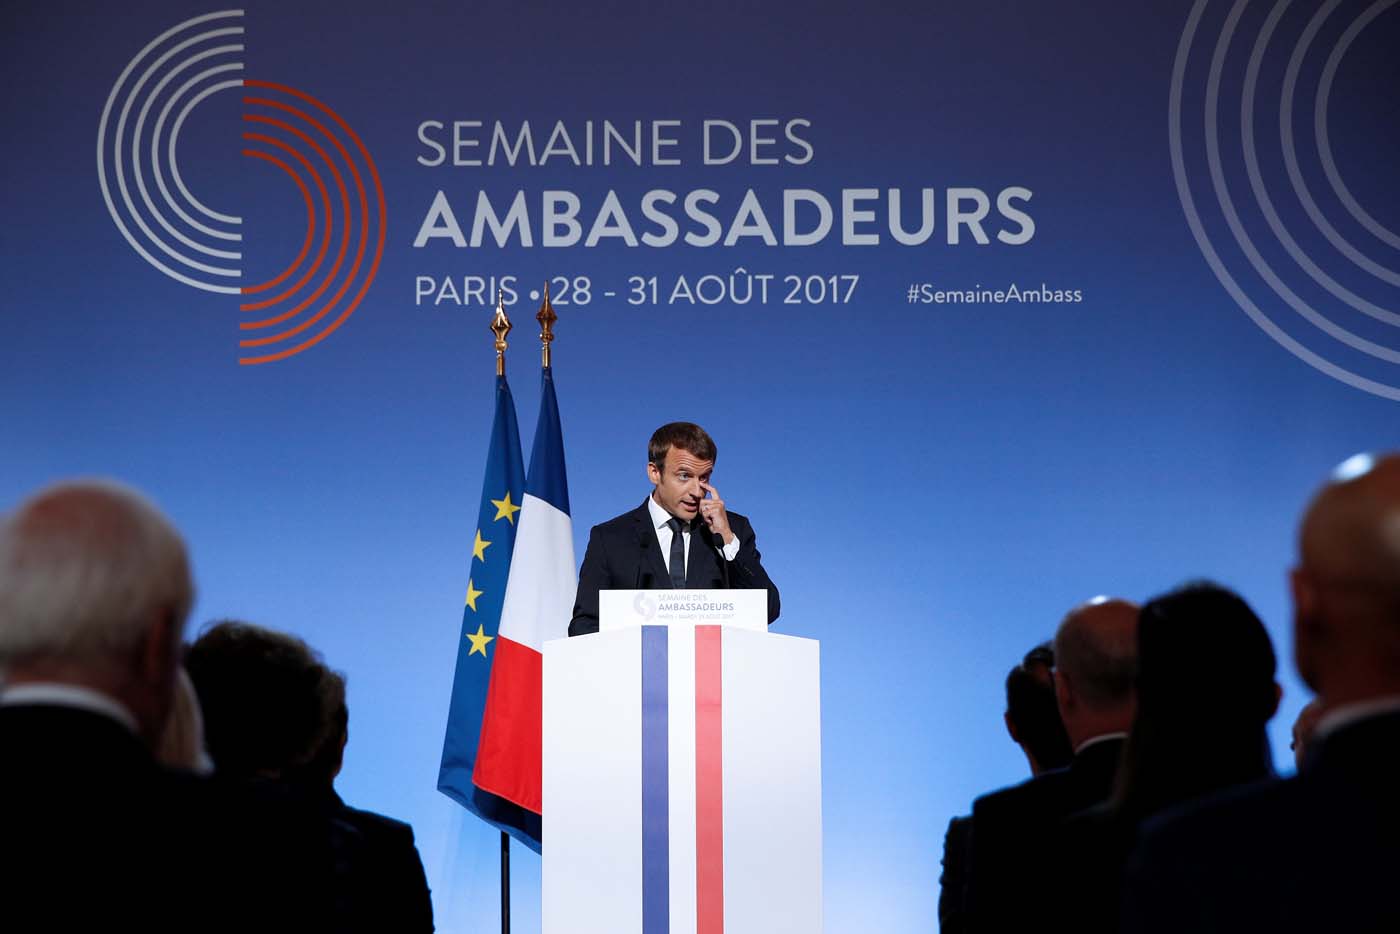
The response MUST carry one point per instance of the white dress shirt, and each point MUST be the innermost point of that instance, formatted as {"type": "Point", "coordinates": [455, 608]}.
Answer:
{"type": "Point", "coordinates": [660, 520]}
{"type": "Point", "coordinates": [1095, 740]}
{"type": "Point", "coordinates": [50, 694]}
{"type": "Point", "coordinates": [1347, 714]}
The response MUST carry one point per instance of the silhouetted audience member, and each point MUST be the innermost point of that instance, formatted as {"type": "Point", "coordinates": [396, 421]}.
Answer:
{"type": "Point", "coordinates": [1205, 693]}
{"type": "Point", "coordinates": [94, 591]}
{"type": "Point", "coordinates": [275, 716]}
{"type": "Point", "coordinates": [398, 895]}
{"type": "Point", "coordinates": [1033, 721]}
{"type": "Point", "coordinates": [94, 833]}
{"type": "Point", "coordinates": [263, 699]}
{"type": "Point", "coordinates": [1013, 830]}
{"type": "Point", "coordinates": [1032, 714]}
{"type": "Point", "coordinates": [1303, 729]}
{"type": "Point", "coordinates": [265, 718]}
{"type": "Point", "coordinates": [1319, 851]}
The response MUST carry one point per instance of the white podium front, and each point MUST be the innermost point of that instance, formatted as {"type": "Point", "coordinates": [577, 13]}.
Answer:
{"type": "Point", "coordinates": [682, 771]}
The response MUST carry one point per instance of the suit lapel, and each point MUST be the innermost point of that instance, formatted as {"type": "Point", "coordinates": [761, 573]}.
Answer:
{"type": "Point", "coordinates": [653, 560]}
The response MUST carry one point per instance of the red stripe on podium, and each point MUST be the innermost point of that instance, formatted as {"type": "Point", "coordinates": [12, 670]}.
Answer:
{"type": "Point", "coordinates": [709, 782]}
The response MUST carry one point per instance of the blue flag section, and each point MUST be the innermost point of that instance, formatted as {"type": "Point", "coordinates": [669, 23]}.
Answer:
{"type": "Point", "coordinates": [548, 479]}
{"type": "Point", "coordinates": [493, 544]}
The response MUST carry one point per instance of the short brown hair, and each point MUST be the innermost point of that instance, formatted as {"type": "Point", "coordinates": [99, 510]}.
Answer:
{"type": "Point", "coordinates": [687, 436]}
{"type": "Point", "coordinates": [263, 694]}
{"type": "Point", "coordinates": [1031, 708]}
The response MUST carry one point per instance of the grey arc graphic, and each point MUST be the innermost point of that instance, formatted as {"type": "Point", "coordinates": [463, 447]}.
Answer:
{"type": "Point", "coordinates": [120, 154]}
{"type": "Point", "coordinates": [1221, 190]}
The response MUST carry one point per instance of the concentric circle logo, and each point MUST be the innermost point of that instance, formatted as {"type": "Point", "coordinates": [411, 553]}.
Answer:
{"type": "Point", "coordinates": [320, 156]}
{"type": "Point", "coordinates": [644, 606]}
{"type": "Point", "coordinates": [1331, 306]}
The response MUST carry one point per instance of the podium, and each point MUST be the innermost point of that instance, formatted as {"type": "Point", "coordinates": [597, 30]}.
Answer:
{"type": "Point", "coordinates": [682, 771]}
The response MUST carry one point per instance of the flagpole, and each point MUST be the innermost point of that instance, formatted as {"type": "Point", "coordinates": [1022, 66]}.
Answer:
{"type": "Point", "coordinates": [505, 882]}
{"type": "Point", "coordinates": [500, 327]}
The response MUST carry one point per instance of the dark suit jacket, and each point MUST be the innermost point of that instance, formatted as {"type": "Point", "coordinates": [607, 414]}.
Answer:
{"type": "Point", "coordinates": [397, 897]}
{"type": "Point", "coordinates": [1013, 838]}
{"type": "Point", "coordinates": [623, 554]}
{"type": "Point", "coordinates": [952, 894]}
{"type": "Point", "coordinates": [82, 805]}
{"type": "Point", "coordinates": [95, 835]}
{"type": "Point", "coordinates": [1318, 852]}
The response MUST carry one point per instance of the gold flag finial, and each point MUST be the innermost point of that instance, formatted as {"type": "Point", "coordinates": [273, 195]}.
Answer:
{"type": "Point", "coordinates": [500, 326]}
{"type": "Point", "coordinates": [546, 318]}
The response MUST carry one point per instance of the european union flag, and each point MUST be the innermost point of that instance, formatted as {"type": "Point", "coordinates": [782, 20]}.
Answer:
{"type": "Point", "coordinates": [492, 547]}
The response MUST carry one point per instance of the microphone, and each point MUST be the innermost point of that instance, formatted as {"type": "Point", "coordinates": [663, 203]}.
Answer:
{"type": "Point", "coordinates": [717, 542]}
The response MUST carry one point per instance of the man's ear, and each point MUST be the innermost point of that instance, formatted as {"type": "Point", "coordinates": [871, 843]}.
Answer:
{"type": "Point", "coordinates": [159, 649]}
{"type": "Point", "coordinates": [653, 474]}
{"type": "Point", "coordinates": [1011, 727]}
{"type": "Point", "coordinates": [156, 658]}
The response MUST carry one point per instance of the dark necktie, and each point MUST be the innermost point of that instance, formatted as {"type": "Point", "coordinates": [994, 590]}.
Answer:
{"type": "Point", "coordinates": [677, 553]}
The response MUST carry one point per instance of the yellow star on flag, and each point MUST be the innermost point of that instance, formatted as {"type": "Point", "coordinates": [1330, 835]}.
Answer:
{"type": "Point", "coordinates": [472, 594]}
{"type": "Point", "coordinates": [479, 640]}
{"type": "Point", "coordinates": [505, 509]}
{"type": "Point", "coordinates": [479, 547]}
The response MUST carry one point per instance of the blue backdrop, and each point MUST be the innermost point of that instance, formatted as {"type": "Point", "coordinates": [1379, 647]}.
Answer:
{"type": "Point", "coordinates": [934, 477]}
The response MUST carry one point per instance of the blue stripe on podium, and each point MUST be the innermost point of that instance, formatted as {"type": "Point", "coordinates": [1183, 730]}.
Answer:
{"type": "Point", "coordinates": [656, 794]}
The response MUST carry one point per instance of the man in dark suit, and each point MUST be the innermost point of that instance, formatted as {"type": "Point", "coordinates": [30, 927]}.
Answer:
{"type": "Point", "coordinates": [1320, 851]}
{"type": "Point", "coordinates": [1013, 830]}
{"type": "Point", "coordinates": [276, 720]}
{"type": "Point", "coordinates": [94, 590]}
{"type": "Point", "coordinates": [396, 895]}
{"type": "Point", "coordinates": [682, 537]}
{"type": "Point", "coordinates": [1033, 722]}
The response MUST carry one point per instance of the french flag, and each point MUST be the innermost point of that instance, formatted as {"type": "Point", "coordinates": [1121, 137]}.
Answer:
{"type": "Point", "coordinates": [538, 603]}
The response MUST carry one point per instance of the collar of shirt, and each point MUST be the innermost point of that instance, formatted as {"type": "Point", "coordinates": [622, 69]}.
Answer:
{"type": "Point", "coordinates": [1347, 714]}
{"type": "Point", "coordinates": [1095, 740]}
{"type": "Point", "coordinates": [49, 694]}
{"type": "Point", "coordinates": [659, 517]}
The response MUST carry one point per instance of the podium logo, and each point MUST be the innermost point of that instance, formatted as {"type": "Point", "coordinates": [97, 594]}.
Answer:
{"type": "Point", "coordinates": [644, 605]}
{"type": "Point", "coordinates": [1297, 257]}
{"type": "Point", "coordinates": [318, 156]}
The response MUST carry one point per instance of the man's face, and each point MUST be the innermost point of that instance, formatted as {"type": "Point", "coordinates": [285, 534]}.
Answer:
{"type": "Point", "coordinates": [678, 489]}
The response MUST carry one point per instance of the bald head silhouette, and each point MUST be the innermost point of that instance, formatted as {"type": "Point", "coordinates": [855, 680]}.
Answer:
{"type": "Point", "coordinates": [1095, 667]}
{"type": "Point", "coordinates": [1346, 587]}
{"type": "Point", "coordinates": [94, 590]}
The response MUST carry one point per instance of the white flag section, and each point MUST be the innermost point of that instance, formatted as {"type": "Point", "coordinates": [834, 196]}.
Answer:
{"type": "Point", "coordinates": [543, 576]}
{"type": "Point", "coordinates": [682, 782]}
